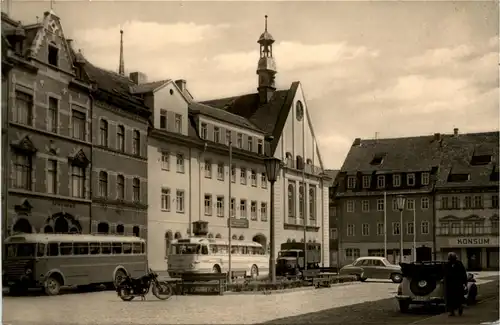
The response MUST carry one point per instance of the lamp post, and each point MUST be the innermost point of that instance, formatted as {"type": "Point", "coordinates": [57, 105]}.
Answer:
{"type": "Point", "coordinates": [401, 200]}
{"type": "Point", "coordinates": [273, 167]}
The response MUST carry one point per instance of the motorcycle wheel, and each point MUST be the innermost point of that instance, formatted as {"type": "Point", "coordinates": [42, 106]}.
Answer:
{"type": "Point", "coordinates": [162, 290]}
{"type": "Point", "coordinates": [124, 293]}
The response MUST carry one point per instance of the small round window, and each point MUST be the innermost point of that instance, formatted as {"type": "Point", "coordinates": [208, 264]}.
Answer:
{"type": "Point", "coordinates": [171, 91]}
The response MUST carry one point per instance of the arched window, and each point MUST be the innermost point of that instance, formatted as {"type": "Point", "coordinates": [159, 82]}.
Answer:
{"type": "Point", "coordinates": [136, 189]}
{"type": "Point", "coordinates": [48, 229]}
{"type": "Point", "coordinates": [136, 143]}
{"type": "Point", "coordinates": [178, 235]}
{"type": "Point", "coordinates": [288, 155]}
{"type": "Point", "coordinates": [168, 238]}
{"type": "Point", "coordinates": [103, 184]}
{"type": "Point", "coordinates": [288, 240]}
{"type": "Point", "coordinates": [61, 225]}
{"type": "Point", "coordinates": [218, 236]}
{"type": "Point", "coordinates": [210, 235]}
{"type": "Point", "coordinates": [301, 202]}
{"type": "Point", "coordinates": [136, 231]}
{"type": "Point", "coordinates": [120, 229]}
{"type": "Point", "coordinates": [103, 133]}
{"type": "Point", "coordinates": [103, 228]}
{"type": "Point", "coordinates": [291, 200]}
{"type": "Point", "coordinates": [120, 187]}
{"type": "Point", "coordinates": [312, 204]}
{"type": "Point", "coordinates": [294, 241]}
{"type": "Point", "coordinates": [120, 134]}
{"type": "Point", "coordinates": [234, 237]}
{"type": "Point", "coordinates": [22, 225]}
{"type": "Point", "coordinates": [241, 237]}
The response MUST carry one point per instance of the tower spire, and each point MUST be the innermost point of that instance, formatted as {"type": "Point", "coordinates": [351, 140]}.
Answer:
{"type": "Point", "coordinates": [265, 29]}
{"type": "Point", "coordinates": [121, 68]}
{"type": "Point", "coordinates": [266, 68]}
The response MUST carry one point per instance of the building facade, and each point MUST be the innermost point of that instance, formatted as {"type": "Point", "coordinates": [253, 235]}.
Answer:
{"type": "Point", "coordinates": [189, 161]}
{"type": "Point", "coordinates": [48, 134]}
{"type": "Point", "coordinates": [467, 200]}
{"type": "Point", "coordinates": [332, 212]}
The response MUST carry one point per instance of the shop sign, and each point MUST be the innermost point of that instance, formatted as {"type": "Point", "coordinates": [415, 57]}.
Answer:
{"type": "Point", "coordinates": [238, 223]}
{"type": "Point", "coordinates": [475, 241]}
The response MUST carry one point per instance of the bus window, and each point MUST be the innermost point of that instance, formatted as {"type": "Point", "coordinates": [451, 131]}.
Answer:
{"type": "Point", "coordinates": [40, 250]}
{"type": "Point", "coordinates": [106, 248]}
{"type": "Point", "coordinates": [95, 248]}
{"type": "Point", "coordinates": [117, 248]}
{"type": "Point", "coordinates": [53, 249]}
{"type": "Point", "coordinates": [260, 251]}
{"type": "Point", "coordinates": [242, 250]}
{"type": "Point", "coordinates": [66, 248]}
{"type": "Point", "coordinates": [204, 250]}
{"type": "Point", "coordinates": [127, 248]}
{"type": "Point", "coordinates": [21, 250]}
{"type": "Point", "coordinates": [81, 248]}
{"type": "Point", "coordinates": [222, 249]}
{"type": "Point", "coordinates": [136, 248]}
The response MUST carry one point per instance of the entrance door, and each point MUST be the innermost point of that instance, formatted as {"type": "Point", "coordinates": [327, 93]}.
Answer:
{"type": "Point", "coordinates": [474, 259]}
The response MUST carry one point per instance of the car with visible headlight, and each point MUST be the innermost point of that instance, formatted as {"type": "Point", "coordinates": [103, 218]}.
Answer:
{"type": "Point", "coordinates": [423, 285]}
{"type": "Point", "coordinates": [373, 267]}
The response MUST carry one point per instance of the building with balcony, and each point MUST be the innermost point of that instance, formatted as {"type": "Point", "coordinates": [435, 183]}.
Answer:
{"type": "Point", "coordinates": [65, 170]}
{"type": "Point", "coordinates": [189, 170]}
{"type": "Point", "coordinates": [467, 199]}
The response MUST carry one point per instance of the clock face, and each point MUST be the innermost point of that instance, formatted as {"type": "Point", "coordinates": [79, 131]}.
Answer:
{"type": "Point", "coordinates": [299, 110]}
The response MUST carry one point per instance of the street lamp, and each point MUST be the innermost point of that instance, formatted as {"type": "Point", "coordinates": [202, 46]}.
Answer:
{"type": "Point", "coordinates": [273, 167]}
{"type": "Point", "coordinates": [401, 200]}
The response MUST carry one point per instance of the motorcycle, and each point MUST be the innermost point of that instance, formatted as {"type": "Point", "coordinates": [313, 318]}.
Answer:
{"type": "Point", "coordinates": [130, 288]}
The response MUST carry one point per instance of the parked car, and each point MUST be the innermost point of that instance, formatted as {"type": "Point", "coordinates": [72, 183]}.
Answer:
{"type": "Point", "coordinates": [423, 285]}
{"type": "Point", "coordinates": [373, 267]}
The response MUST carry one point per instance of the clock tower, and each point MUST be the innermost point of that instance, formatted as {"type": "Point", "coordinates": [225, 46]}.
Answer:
{"type": "Point", "coordinates": [266, 68]}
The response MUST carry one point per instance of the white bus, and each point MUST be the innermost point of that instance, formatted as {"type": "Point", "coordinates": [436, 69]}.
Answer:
{"type": "Point", "coordinates": [51, 261]}
{"type": "Point", "coordinates": [208, 255]}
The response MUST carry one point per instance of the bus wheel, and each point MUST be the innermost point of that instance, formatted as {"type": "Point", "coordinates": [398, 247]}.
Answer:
{"type": "Point", "coordinates": [254, 271]}
{"type": "Point", "coordinates": [52, 286]}
{"type": "Point", "coordinates": [216, 269]}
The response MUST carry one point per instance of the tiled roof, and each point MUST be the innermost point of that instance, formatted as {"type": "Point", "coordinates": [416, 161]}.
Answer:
{"type": "Point", "coordinates": [221, 115]}
{"type": "Point", "coordinates": [147, 87]}
{"type": "Point", "coordinates": [332, 173]}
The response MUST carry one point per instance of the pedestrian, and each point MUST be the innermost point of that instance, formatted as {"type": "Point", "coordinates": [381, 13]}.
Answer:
{"type": "Point", "coordinates": [455, 280]}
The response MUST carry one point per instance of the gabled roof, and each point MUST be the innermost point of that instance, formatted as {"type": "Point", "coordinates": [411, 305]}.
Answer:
{"type": "Point", "coordinates": [148, 87]}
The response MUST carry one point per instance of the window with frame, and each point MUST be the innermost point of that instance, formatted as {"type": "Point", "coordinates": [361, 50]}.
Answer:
{"type": "Point", "coordinates": [455, 228]}
{"type": "Point", "coordinates": [350, 206]}
{"type": "Point", "coordinates": [178, 123]}
{"type": "Point", "coordinates": [478, 202]}
{"type": "Point", "coordinates": [334, 233]}
{"type": "Point", "coordinates": [291, 200]}
{"type": "Point", "coordinates": [410, 179]}
{"type": "Point", "coordinates": [380, 204]}
{"type": "Point", "coordinates": [380, 181]}
{"type": "Point", "coordinates": [103, 184]}
{"type": "Point", "coordinates": [220, 206]}
{"type": "Point", "coordinates": [120, 137]}
{"type": "Point", "coordinates": [260, 147]}
{"type": "Point", "coordinates": [351, 230]}
{"type": "Point", "coordinates": [103, 133]}
{"type": "Point", "coordinates": [468, 202]}
{"type": "Point", "coordinates": [52, 115]}
{"type": "Point", "coordinates": [444, 228]}
{"type": "Point", "coordinates": [180, 201]}
{"type": "Point", "coordinates": [253, 210]}
{"type": "Point", "coordinates": [396, 180]}
{"type": "Point", "coordinates": [424, 203]}
{"type": "Point", "coordinates": [136, 143]}
{"type": "Point", "coordinates": [220, 171]}
{"type": "Point", "coordinates": [243, 208]}
{"type": "Point", "coordinates": [208, 169]}
{"type": "Point", "coordinates": [228, 137]}
{"type": "Point", "coordinates": [120, 187]}
{"type": "Point", "coordinates": [424, 227]}
{"type": "Point", "coordinates": [351, 182]}
{"type": "Point", "coordinates": [366, 181]}
{"type": "Point", "coordinates": [243, 176]}
{"type": "Point", "coordinates": [78, 124]}
{"type": "Point", "coordinates": [239, 140]}
{"type": "Point", "coordinates": [163, 119]}
{"type": "Point", "coordinates": [136, 189]}
{"type": "Point", "coordinates": [233, 174]}
{"type": "Point", "coordinates": [468, 228]}
{"type": "Point", "coordinates": [425, 178]}
{"type": "Point", "coordinates": [250, 143]}
{"type": "Point", "coordinates": [52, 176]}
{"type": "Point", "coordinates": [165, 199]}
{"type": "Point", "coordinates": [53, 55]}
{"type": "Point", "coordinates": [312, 203]}
{"type": "Point", "coordinates": [396, 228]}
{"type": "Point", "coordinates": [254, 178]}
{"type": "Point", "coordinates": [216, 134]}
{"type": "Point", "coordinates": [78, 181]}
{"type": "Point", "coordinates": [444, 202]}
{"type": "Point", "coordinates": [380, 229]}
{"type": "Point", "coordinates": [494, 201]}
{"type": "Point", "coordinates": [204, 131]}
{"type": "Point", "coordinates": [301, 202]}
{"type": "Point", "coordinates": [365, 229]}
{"type": "Point", "coordinates": [455, 202]}
{"type": "Point", "coordinates": [208, 204]}
{"type": "Point", "coordinates": [263, 180]}
{"type": "Point", "coordinates": [410, 204]}
{"type": "Point", "coordinates": [23, 111]}
{"type": "Point", "coordinates": [365, 206]}
{"type": "Point", "coordinates": [352, 253]}
{"type": "Point", "coordinates": [180, 163]}
{"type": "Point", "coordinates": [165, 160]}
{"type": "Point", "coordinates": [410, 228]}
{"type": "Point", "coordinates": [233, 207]}
{"type": "Point", "coordinates": [263, 211]}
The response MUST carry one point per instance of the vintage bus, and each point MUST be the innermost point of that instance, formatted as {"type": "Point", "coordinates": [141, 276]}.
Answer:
{"type": "Point", "coordinates": [51, 261]}
{"type": "Point", "coordinates": [209, 255]}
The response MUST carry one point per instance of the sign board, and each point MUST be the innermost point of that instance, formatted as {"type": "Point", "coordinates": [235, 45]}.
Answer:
{"type": "Point", "coordinates": [468, 241]}
{"type": "Point", "coordinates": [238, 223]}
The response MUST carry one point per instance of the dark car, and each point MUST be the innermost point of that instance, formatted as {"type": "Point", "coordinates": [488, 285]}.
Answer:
{"type": "Point", "coordinates": [373, 267]}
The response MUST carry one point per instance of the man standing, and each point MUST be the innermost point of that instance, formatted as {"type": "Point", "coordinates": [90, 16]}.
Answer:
{"type": "Point", "coordinates": [455, 280]}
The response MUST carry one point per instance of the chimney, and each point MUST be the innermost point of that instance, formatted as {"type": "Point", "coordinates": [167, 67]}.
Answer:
{"type": "Point", "coordinates": [181, 84]}
{"type": "Point", "coordinates": [70, 43]}
{"type": "Point", "coordinates": [437, 136]}
{"type": "Point", "coordinates": [455, 131]}
{"type": "Point", "coordinates": [357, 142]}
{"type": "Point", "coordinates": [138, 77]}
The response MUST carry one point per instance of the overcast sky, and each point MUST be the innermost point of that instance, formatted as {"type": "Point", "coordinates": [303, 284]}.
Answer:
{"type": "Point", "coordinates": [392, 68]}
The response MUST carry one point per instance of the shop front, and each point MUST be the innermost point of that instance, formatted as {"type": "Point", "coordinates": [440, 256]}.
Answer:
{"type": "Point", "coordinates": [476, 252]}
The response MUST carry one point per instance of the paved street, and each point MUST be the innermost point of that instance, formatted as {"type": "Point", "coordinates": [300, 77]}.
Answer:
{"type": "Point", "coordinates": [354, 303]}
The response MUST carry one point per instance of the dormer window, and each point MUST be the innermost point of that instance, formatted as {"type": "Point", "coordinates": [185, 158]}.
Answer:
{"type": "Point", "coordinates": [366, 181]}
{"type": "Point", "coordinates": [216, 134]}
{"type": "Point", "coordinates": [380, 181]}
{"type": "Point", "coordinates": [396, 180]}
{"type": "Point", "coordinates": [351, 182]}
{"type": "Point", "coordinates": [309, 162]}
{"type": "Point", "coordinates": [425, 178]}
{"type": "Point", "coordinates": [478, 160]}
{"type": "Point", "coordinates": [239, 140]}
{"type": "Point", "coordinates": [378, 159]}
{"type": "Point", "coordinates": [260, 147]}
{"type": "Point", "coordinates": [228, 137]}
{"type": "Point", "coordinates": [410, 179]}
{"type": "Point", "coordinates": [250, 144]}
{"type": "Point", "coordinates": [178, 123]}
{"type": "Point", "coordinates": [203, 131]}
{"type": "Point", "coordinates": [458, 177]}
{"type": "Point", "coordinates": [53, 57]}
